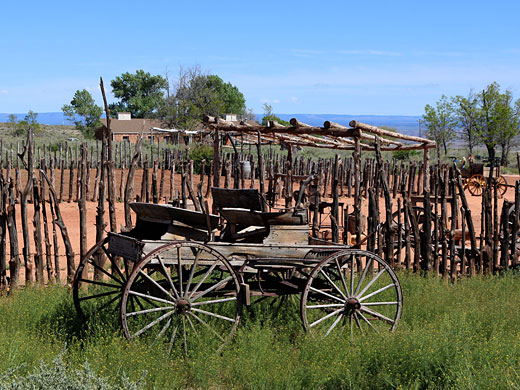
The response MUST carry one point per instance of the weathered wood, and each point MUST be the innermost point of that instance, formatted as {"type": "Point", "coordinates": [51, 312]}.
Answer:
{"type": "Point", "coordinates": [48, 248]}
{"type": "Point", "coordinates": [26, 250]}
{"type": "Point", "coordinates": [37, 234]}
{"type": "Point", "coordinates": [129, 186]}
{"type": "Point", "coordinates": [14, 260]}
{"type": "Point", "coordinates": [3, 229]}
{"type": "Point", "coordinates": [69, 252]}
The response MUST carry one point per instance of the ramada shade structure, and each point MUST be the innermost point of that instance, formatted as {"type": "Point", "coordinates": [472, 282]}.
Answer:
{"type": "Point", "coordinates": [330, 136]}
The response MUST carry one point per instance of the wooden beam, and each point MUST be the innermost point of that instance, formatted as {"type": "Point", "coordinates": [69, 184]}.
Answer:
{"type": "Point", "coordinates": [383, 132]}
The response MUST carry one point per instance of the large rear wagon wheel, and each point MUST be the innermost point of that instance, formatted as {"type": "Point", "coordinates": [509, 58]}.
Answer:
{"type": "Point", "coordinates": [476, 184]}
{"type": "Point", "coordinates": [185, 294]}
{"type": "Point", "coordinates": [340, 296]}
{"type": "Point", "coordinates": [99, 281]}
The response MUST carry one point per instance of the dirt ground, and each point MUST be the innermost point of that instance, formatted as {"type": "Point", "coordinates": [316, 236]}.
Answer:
{"type": "Point", "coordinates": [70, 212]}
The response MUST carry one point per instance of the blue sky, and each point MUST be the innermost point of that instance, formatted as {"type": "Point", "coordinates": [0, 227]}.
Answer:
{"type": "Point", "coordinates": [341, 57]}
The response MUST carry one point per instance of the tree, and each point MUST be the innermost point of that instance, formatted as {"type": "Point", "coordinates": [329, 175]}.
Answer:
{"type": "Point", "coordinates": [141, 94]}
{"type": "Point", "coordinates": [233, 101]}
{"type": "Point", "coordinates": [497, 120]}
{"type": "Point", "coordinates": [196, 94]}
{"type": "Point", "coordinates": [83, 112]}
{"type": "Point", "coordinates": [30, 121]}
{"type": "Point", "coordinates": [467, 112]}
{"type": "Point", "coordinates": [269, 116]}
{"type": "Point", "coordinates": [441, 122]}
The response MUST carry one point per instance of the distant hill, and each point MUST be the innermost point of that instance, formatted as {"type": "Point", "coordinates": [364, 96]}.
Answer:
{"type": "Point", "coordinates": [404, 124]}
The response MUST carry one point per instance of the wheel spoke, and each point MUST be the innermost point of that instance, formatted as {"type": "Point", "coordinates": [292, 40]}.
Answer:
{"type": "Point", "coordinates": [215, 286]}
{"type": "Point", "coordinates": [357, 321]}
{"type": "Point", "coordinates": [376, 314]}
{"type": "Point", "coordinates": [325, 306]}
{"type": "Point", "coordinates": [156, 284]}
{"type": "Point", "coordinates": [367, 266]}
{"type": "Point", "coordinates": [106, 304]}
{"type": "Point", "coordinates": [111, 276]}
{"type": "Point", "coordinates": [99, 295]}
{"type": "Point", "coordinates": [332, 284]}
{"type": "Point", "coordinates": [115, 266]}
{"type": "Point", "coordinates": [165, 327]}
{"type": "Point", "coordinates": [376, 292]}
{"type": "Point", "coordinates": [153, 323]}
{"type": "Point", "coordinates": [179, 258]}
{"type": "Point", "coordinates": [379, 303]}
{"type": "Point", "coordinates": [167, 274]}
{"type": "Point", "coordinates": [372, 282]}
{"type": "Point", "coordinates": [343, 281]}
{"type": "Point", "coordinates": [100, 283]}
{"type": "Point", "coordinates": [146, 311]}
{"type": "Point", "coordinates": [351, 272]}
{"type": "Point", "coordinates": [334, 324]}
{"type": "Point", "coordinates": [184, 334]}
{"type": "Point", "coordinates": [210, 269]}
{"type": "Point", "coordinates": [214, 301]}
{"type": "Point", "coordinates": [326, 294]}
{"type": "Point", "coordinates": [207, 326]}
{"type": "Point", "coordinates": [192, 272]}
{"type": "Point", "coordinates": [193, 327]}
{"type": "Point", "coordinates": [367, 321]}
{"type": "Point", "coordinates": [174, 333]}
{"type": "Point", "coordinates": [150, 297]}
{"type": "Point", "coordinates": [325, 317]}
{"type": "Point", "coordinates": [213, 314]}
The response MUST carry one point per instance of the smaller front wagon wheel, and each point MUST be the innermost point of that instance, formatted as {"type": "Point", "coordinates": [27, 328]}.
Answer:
{"type": "Point", "coordinates": [354, 291]}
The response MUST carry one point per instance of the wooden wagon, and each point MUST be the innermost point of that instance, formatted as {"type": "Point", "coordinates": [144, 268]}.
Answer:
{"type": "Point", "coordinates": [475, 178]}
{"type": "Point", "coordinates": [180, 273]}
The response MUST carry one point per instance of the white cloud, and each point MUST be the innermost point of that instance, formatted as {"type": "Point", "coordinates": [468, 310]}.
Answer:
{"type": "Point", "coordinates": [294, 99]}
{"type": "Point", "coordinates": [4, 91]}
{"type": "Point", "coordinates": [269, 101]}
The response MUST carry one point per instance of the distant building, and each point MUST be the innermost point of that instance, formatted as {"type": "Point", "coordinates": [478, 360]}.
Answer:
{"type": "Point", "coordinates": [126, 128]}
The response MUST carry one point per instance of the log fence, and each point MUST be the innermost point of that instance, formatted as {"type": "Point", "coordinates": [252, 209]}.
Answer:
{"type": "Point", "coordinates": [426, 226]}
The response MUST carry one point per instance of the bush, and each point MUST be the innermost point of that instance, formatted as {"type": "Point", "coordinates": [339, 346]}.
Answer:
{"type": "Point", "coordinates": [201, 152]}
{"type": "Point", "coordinates": [58, 376]}
{"type": "Point", "coordinates": [406, 154]}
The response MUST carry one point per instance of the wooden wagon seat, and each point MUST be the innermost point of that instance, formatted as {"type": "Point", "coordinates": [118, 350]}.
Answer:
{"type": "Point", "coordinates": [241, 209]}
{"type": "Point", "coordinates": [154, 220]}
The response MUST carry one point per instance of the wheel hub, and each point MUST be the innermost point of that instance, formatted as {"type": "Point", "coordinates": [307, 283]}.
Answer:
{"type": "Point", "coordinates": [182, 306]}
{"type": "Point", "coordinates": [352, 304]}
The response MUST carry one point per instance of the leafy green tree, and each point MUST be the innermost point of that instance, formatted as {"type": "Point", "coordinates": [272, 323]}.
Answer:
{"type": "Point", "coordinates": [233, 101]}
{"type": "Point", "coordinates": [269, 116]}
{"type": "Point", "coordinates": [30, 121]}
{"type": "Point", "coordinates": [141, 94]}
{"type": "Point", "coordinates": [196, 94]}
{"type": "Point", "coordinates": [83, 112]}
{"type": "Point", "coordinates": [466, 109]}
{"type": "Point", "coordinates": [441, 122]}
{"type": "Point", "coordinates": [497, 121]}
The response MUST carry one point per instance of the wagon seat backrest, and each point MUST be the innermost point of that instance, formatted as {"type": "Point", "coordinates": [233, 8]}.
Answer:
{"type": "Point", "coordinates": [242, 211]}
{"type": "Point", "coordinates": [155, 220]}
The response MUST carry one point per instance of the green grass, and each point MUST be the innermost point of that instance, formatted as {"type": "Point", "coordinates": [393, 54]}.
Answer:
{"type": "Point", "coordinates": [464, 335]}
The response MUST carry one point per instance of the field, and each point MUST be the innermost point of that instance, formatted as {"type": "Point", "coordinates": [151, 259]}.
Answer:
{"type": "Point", "coordinates": [461, 336]}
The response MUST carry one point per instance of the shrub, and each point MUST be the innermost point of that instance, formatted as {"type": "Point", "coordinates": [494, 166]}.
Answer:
{"type": "Point", "coordinates": [201, 152]}
{"type": "Point", "coordinates": [406, 154]}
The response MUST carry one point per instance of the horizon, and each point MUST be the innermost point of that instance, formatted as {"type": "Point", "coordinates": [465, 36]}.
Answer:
{"type": "Point", "coordinates": [411, 54]}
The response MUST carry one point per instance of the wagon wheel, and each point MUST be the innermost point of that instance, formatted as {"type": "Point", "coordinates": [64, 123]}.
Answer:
{"type": "Point", "coordinates": [501, 185]}
{"type": "Point", "coordinates": [183, 290]}
{"type": "Point", "coordinates": [476, 184]}
{"type": "Point", "coordinates": [358, 299]}
{"type": "Point", "coordinates": [99, 281]}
